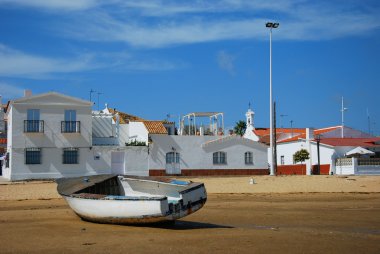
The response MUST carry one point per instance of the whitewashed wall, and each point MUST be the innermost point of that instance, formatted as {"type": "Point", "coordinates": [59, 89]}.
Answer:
{"type": "Point", "coordinates": [136, 161]}
{"type": "Point", "coordinates": [137, 131]}
{"type": "Point", "coordinates": [193, 156]}
{"type": "Point", "coordinates": [52, 166]}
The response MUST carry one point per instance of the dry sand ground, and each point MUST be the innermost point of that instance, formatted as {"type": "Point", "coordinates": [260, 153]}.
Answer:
{"type": "Point", "coordinates": [294, 214]}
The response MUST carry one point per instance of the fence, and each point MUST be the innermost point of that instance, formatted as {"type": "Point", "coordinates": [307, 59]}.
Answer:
{"type": "Point", "coordinates": [358, 166]}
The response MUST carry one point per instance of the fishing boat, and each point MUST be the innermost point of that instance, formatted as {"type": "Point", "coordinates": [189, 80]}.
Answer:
{"type": "Point", "coordinates": [118, 199]}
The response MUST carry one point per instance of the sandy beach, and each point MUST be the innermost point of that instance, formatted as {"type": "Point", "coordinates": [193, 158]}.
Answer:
{"type": "Point", "coordinates": [290, 214]}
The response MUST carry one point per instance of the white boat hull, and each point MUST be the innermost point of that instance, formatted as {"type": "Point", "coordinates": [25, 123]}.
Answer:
{"type": "Point", "coordinates": [142, 201]}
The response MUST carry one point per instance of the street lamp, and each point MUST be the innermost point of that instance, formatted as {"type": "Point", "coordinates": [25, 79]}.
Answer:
{"type": "Point", "coordinates": [271, 25]}
{"type": "Point", "coordinates": [318, 139]}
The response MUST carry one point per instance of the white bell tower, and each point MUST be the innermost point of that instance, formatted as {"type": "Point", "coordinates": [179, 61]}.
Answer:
{"type": "Point", "coordinates": [249, 116]}
{"type": "Point", "coordinates": [250, 130]}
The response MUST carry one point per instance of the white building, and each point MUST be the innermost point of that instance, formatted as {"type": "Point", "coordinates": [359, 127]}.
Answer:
{"type": "Point", "coordinates": [331, 147]}
{"type": "Point", "coordinates": [50, 136]}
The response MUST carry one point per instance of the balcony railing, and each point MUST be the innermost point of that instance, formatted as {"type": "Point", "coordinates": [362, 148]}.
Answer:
{"type": "Point", "coordinates": [34, 126]}
{"type": "Point", "coordinates": [70, 126]}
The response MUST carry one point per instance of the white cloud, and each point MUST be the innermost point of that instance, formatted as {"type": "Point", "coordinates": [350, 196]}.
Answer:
{"type": "Point", "coordinates": [158, 23]}
{"type": "Point", "coordinates": [222, 20]}
{"type": "Point", "coordinates": [59, 5]}
{"type": "Point", "coordinates": [9, 91]}
{"type": "Point", "coordinates": [15, 63]}
{"type": "Point", "coordinates": [106, 28]}
{"type": "Point", "coordinates": [226, 62]}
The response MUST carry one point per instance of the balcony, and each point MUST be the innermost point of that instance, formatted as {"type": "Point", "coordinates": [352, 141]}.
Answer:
{"type": "Point", "coordinates": [33, 126]}
{"type": "Point", "coordinates": [70, 127]}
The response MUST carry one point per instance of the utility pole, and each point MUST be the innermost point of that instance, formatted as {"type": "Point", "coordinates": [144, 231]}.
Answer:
{"type": "Point", "coordinates": [275, 140]}
{"type": "Point", "coordinates": [271, 25]}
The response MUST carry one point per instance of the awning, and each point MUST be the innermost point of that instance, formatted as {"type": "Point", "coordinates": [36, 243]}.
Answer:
{"type": "Point", "coordinates": [359, 151]}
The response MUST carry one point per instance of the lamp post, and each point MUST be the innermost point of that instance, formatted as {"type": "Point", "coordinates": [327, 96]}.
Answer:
{"type": "Point", "coordinates": [271, 25]}
{"type": "Point", "coordinates": [318, 138]}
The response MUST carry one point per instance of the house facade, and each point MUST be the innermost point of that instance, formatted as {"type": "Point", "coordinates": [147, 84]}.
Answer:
{"type": "Point", "coordinates": [207, 155]}
{"type": "Point", "coordinates": [50, 136]}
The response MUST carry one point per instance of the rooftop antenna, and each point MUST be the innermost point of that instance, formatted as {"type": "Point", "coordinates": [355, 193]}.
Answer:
{"type": "Point", "coordinates": [369, 122]}
{"type": "Point", "coordinates": [91, 92]}
{"type": "Point", "coordinates": [98, 99]}
{"type": "Point", "coordinates": [291, 126]}
{"type": "Point", "coordinates": [249, 105]}
{"type": "Point", "coordinates": [342, 110]}
{"type": "Point", "coordinates": [281, 116]}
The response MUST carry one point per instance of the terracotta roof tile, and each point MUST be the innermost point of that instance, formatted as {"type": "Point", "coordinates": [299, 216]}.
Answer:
{"type": "Point", "coordinates": [155, 127]}
{"type": "Point", "coordinates": [124, 117]}
{"type": "Point", "coordinates": [364, 142]}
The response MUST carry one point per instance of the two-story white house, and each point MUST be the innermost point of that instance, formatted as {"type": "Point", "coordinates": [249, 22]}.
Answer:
{"type": "Point", "coordinates": [50, 136]}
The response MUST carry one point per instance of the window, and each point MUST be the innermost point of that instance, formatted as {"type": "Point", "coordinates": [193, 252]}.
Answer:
{"type": "Point", "coordinates": [33, 123]}
{"type": "Point", "coordinates": [33, 156]}
{"type": "Point", "coordinates": [219, 158]}
{"type": "Point", "coordinates": [70, 155]}
{"type": "Point", "coordinates": [172, 157]}
{"type": "Point", "coordinates": [282, 159]}
{"type": "Point", "coordinates": [70, 124]}
{"type": "Point", "coordinates": [248, 158]}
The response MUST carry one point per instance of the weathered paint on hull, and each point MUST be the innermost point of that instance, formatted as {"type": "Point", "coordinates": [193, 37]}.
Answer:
{"type": "Point", "coordinates": [97, 216]}
{"type": "Point", "coordinates": [131, 200]}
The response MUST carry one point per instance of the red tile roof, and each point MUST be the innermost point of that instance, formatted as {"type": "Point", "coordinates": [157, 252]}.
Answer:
{"type": "Point", "coordinates": [124, 117]}
{"type": "Point", "coordinates": [364, 142]}
{"type": "Point", "coordinates": [328, 129]}
{"type": "Point", "coordinates": [155, 127]}
{"type": "Point", "coordinates": [266, 131]}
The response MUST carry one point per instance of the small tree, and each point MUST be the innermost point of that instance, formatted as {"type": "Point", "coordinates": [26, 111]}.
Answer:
{"type": "Point", "coordinates": [301, 156]}
{"type": "Point", "coordinates": [240, 128]}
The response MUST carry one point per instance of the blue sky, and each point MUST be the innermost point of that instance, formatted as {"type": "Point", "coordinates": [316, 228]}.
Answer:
{"type": "Point", "coordinates": [151, 58]}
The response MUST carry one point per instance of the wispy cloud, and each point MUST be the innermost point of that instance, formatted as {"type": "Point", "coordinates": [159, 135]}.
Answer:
{"type": "Point", "coordinates": [14, 63]}
{"type": "Point", "coordinates": [59, 5]}
{"type": "Point", "coordinates": [158, 23]}
{"type": "Point", "coordinates": [9, 91]}
{"type": "Point", "coordinates": [226, 62]}
{"type": "Point", "coordinates": [153, 24]}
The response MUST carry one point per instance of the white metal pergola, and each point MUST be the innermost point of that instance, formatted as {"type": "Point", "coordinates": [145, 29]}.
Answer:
{"type": "Point", "coordinates": [216, 121]}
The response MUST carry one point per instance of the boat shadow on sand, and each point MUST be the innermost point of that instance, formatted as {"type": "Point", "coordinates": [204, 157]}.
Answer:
{"type": "Point", "coordinates": [183, 225]}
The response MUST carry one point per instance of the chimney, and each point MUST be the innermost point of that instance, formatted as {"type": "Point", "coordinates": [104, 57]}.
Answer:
{"type": "Point", "coordinates": [27, 93]}
{"type": "Point", "coordinates": [309, 133]}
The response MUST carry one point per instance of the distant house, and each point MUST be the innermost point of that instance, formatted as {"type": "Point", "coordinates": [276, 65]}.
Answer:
{"type": "Point", "coordinates": [332, 147]}
{"type": "Point", "coordinates": [3, 128]}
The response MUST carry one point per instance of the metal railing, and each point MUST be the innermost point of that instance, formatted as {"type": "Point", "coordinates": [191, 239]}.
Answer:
{"type": "Point", "coordinates": [33, 126]}
{"type": "Point", "coordinates": [368, 161]}
{"type": "Point", "coordinates": [70, 127]}
{"type": "Point", "coordinates": [343, 162]}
